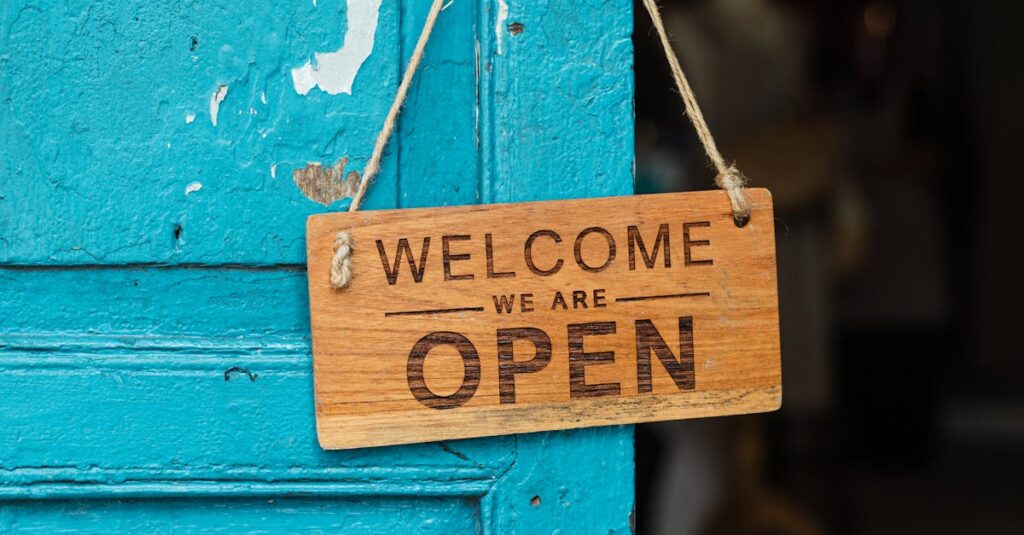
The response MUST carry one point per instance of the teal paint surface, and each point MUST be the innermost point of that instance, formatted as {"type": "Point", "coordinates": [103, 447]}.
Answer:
{"type": "Point", "coordinates": [155, 370]}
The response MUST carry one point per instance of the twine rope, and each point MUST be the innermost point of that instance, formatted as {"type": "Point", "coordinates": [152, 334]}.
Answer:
{"type": "Point", "coordinates": [729, 177]}
{"type": "Point", "coordinates": [341, 262]}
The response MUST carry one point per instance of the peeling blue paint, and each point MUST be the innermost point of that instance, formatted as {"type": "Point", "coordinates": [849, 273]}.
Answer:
{"type": "Point", "coordinates": [154, 347]}
{"type": "Point", "coordinates": [335, 71]}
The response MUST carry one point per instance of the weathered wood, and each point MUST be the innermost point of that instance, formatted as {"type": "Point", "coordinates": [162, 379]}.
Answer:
{"type": "Point", "coordinates": [486, 320]}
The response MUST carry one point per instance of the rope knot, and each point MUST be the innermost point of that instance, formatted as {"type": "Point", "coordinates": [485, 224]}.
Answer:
{"type": "Point", "coordinates": [729, 178]}
{"type": "Point", "coordinates": [341, 263]}
{"type": "Point", "coordinates": [732, 181]}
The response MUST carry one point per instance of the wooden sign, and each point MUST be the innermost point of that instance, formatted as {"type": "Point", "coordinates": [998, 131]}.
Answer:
{"type": "Point", "coordinates": [487, 320]}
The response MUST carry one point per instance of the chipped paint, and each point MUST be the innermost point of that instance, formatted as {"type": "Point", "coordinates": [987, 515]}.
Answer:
{"type": "Point", "coordinates": [326, 185]}
{"type": "Point", "coordinates": [273, 170]}
{"type": "Point", "coordinates": [190, 118]}
{"type": "Point", "coordinates": [216, 98]}
{"type": "Point", "coordinates": [229, 290]}
{"type": "Point", "coordinates": [335, 72]}
{"type": "Point", "coordinates": [193, 187]}
{"type": "Point", "coordinates": [499, 23]}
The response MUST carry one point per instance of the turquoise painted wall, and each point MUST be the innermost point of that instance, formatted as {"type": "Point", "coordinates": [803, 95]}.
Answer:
{"type": "Point", "coordinates": [155, 366]}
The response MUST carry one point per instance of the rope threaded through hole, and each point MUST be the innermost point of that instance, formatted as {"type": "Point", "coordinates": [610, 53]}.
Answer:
{"type": "Point", "coordinates": [341, 262]}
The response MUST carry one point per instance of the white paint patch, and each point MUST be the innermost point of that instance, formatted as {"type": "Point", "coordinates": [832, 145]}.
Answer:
{"type": "Point", "coordinates": [273, 170]}
{"type": "Point", "coordinates": [215, 99]}
{"type": "Point", "coordinates": [263, 97]}
{"type": "Point", "coordinates": [193, 187]}
{"type": "Point", "coordinates": [190, 118]}
{"type": "Point", "coordinates": [499, 23]}
{"type": "Point", "coordinates": [335, 71]}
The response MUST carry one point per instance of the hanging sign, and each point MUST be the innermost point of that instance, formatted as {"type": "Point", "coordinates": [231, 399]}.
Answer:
{"type": "Point", "coordinates": [487, 320]}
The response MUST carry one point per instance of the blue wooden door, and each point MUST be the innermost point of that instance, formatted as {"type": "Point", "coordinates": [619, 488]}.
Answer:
{"type": "Point", "coordinates": [155, 369]}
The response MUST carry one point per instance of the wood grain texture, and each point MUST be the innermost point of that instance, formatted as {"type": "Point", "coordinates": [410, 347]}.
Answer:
{"type": "Point", "coordinates": [487, 320]}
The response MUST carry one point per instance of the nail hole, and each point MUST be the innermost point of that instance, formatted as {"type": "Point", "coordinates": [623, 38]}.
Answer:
{"type": "Point", "coordinates": [177, 231]}
{"type": "Point", "coordinates": [193, 44]}
{"type": "Point", "coordinates": [516, 28]}
{"type": "Point", "coordinates": [535, 501]}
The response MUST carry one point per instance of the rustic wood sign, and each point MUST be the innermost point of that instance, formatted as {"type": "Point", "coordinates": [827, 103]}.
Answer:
{"type": "Point", "coordinates": [488, 320]}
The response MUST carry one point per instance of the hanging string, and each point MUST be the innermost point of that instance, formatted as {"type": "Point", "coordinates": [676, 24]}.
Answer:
{"type": "Point", "coordinates": [729, 178]}
{"type": "Point", "coordinates": [341, 263]}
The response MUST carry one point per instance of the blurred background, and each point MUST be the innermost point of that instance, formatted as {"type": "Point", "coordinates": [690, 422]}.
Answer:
{"type": "Point", "coordinates": [886, 131]}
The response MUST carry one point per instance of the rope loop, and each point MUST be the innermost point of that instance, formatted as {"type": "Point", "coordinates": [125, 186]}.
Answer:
{"type": "Point", "coordinates": [733, 181]}
{"type": "Point", "coordinates": [341, 262]}
{"type": "Point", "coordinates": [729, 178]}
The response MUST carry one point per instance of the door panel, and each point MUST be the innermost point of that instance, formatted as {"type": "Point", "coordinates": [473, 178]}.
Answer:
{"type": "Point", "coordinates": [98, 98]}
{"type": "Point", "coordinates": [274, 515]}
{"type": "Point", "coordinates": [155, 366]}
